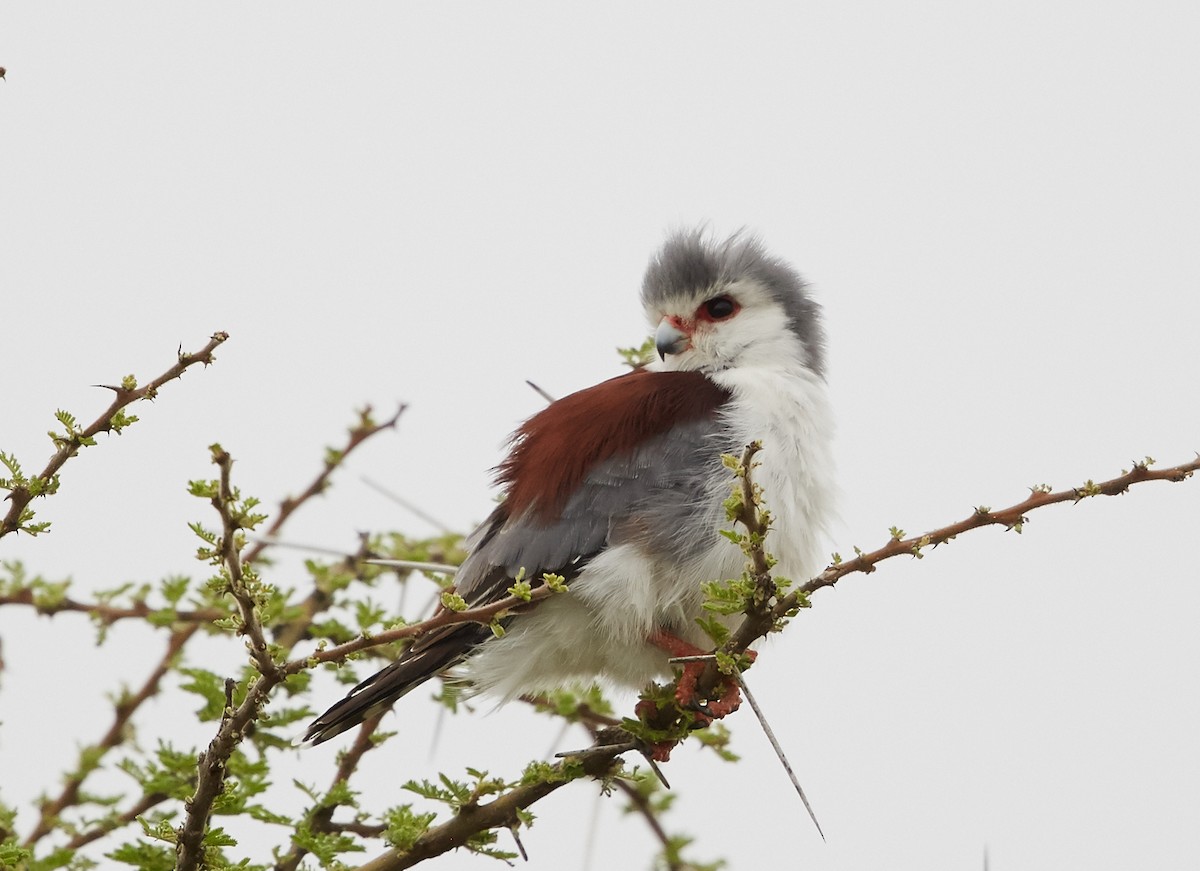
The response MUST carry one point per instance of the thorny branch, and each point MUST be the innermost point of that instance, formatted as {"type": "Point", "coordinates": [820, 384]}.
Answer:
{"type": "Point", "coordinates": [239, 581]}
{"type": "Point", "coordinates": [756, 626]}
{"type": "Point", "coordinates": [186, 624]}
{"type": "Point", "coordinates": [444, 617]}
{"type": "Point", "coordinates": [22, 494]}
{"type": "Point", "coordinates": [125, 708]}
{"type": "Point", "coordinates": [104, 613]}
{"type": "Point", "coordinates": [321, 821]}
{"type": "Point", "coordinates": [764, 617]}
{"type": "Point", "coordinates": [501, 812]}
{"type": "Point", "coordinates": [366, 428]}
{"type": "Point", "coordinates": [212, 762]}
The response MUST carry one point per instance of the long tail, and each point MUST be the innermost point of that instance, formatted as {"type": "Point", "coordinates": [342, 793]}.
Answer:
{"type": "Point", "coordinates": [426, 658]}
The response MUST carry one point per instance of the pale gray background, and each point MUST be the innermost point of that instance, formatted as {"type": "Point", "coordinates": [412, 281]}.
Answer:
{"type": "Point", "coordinates": [998, 207]}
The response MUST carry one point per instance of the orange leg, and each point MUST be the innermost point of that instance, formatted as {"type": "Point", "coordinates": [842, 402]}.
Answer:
{"type": "Point", "coordinates": [685, 692]}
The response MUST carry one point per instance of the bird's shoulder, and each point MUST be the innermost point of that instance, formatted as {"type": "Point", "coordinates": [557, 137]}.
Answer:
{"type": "Point", "coordinates": [554, 451]}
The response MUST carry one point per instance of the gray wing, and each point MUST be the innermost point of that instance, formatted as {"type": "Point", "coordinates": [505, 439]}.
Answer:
{"type": "Point", "coordinates": [652, 493]}
{"type": "Point", "coordinates": [648, 493]}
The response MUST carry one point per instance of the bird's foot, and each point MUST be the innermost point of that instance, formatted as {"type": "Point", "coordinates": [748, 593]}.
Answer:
{"type": "Point", "coordinates": [704, 710]}
{"type": "Point", "coordinates": [648, 712]}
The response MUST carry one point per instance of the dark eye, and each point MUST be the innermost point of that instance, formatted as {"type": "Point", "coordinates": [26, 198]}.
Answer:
{"type": "Point", "coordinates": [719, 307]}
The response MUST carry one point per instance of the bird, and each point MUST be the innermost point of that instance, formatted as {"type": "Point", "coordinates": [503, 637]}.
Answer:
{"type": "Point", "coordinates": [619, 489]}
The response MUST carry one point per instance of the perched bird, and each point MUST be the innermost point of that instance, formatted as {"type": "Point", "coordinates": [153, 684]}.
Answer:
{"type": "Point", "coordinates": [619, 488]}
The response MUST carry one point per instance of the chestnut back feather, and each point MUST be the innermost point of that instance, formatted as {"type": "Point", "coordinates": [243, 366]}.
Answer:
{"type": "Point", "coordinates": [554, 450]}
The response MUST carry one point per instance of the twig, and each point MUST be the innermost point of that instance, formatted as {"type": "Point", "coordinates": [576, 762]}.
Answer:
{"type": "Point", "coordinates": [276, 541]}
{"type": "Point", "coordinates": [498, 813]}
{"type": "Point", "coordinates": [366, 428]}
{"type": "Point", "coordinates": [239, 580]}
{"type": "Point", "coordinates": [444, 617]}
{"type": "Point", "coordinates": [289, 634]}
{"type": "Point", "coordinates": [50, 811]}
{"type": "Point", "coordinates": [765, 613]}
{"type": "Point", "coordinates": [642, 805]}
{"type": "Point", "coordinates": [321, 820]}
{"type": "Point", "coordinates": [145, 803]}
{"type": "Point", "coordinates": [106, 614]}
{"type": "Point", "coordinates": [415, 565]}
{"type": "Point", "coordinates": [212, 763]}
{"type": "Point", "coordinates": [21, 495]}
{"type": "Point", "coordinates": [1012, 517]}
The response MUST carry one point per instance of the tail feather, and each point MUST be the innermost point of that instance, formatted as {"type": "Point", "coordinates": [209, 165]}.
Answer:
{"type": "Point", "coordinates": [379, 692]}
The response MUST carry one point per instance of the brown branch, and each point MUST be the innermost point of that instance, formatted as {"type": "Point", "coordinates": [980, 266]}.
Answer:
{"type": "Point", "coordinates": [499, 813]}
{"type": "Point", "coordinates": [321, 820]}
{"type": "Point", "coordinates": [50, 811]}
{"type": "Point", "coordinates": [145, 803]}
{"type": "Point", "coordinates": [211, 770]}
{"type": "Point", "coordinates": [288, 635]}
{"type": "Point", "coordinates": [443, 617]}
{"type": "Point", "coordinates": [1013, 517]}
{"type": "Point", "coordinates": [641, 804]}
{"type": "Point", "coordinates": [210, 779]}
{"type": "Point", "coordinates": [234, 723]}
{"type": "Point", "coordinates": [106, 614]}
{"type": "Point", "coordinates": [22, 495]}
{"type": "Point", "coordinates": [365, 428]}
{"type": "Point", "coordinates": [230, 552]}
{"type": "Point", "coordinates": [212, 762]}
{"type": "Point", "coordinates": [363, 830]}
{"type": "Point", "coordinates": [768, 611]}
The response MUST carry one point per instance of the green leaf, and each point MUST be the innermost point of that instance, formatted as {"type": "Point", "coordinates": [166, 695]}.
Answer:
{"type": "Point", "coordinates": [453, 602]}
{"type": "Point", "coordinates": [404, 826]}
{"type": "Point", "coordinates": [210, 687]}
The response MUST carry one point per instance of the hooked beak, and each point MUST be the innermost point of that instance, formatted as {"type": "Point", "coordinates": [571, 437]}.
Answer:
{"type": "Point", "coordinates": [669, 339]}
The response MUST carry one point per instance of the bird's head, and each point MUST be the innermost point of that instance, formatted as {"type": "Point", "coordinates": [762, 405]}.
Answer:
{"type": "Point", "coordinates": [720, 305]}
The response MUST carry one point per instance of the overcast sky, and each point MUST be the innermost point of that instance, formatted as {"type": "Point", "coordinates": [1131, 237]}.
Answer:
{"type": "Point", "coordinates": [998, 206]}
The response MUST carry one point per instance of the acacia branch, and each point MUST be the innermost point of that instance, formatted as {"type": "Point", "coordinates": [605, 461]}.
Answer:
{"type": "Point", "coordinates": [22, 494]}
{"type": "Point", "coordinates": [444, 617]}
{"type": "Point", "coordinates": [641, 804]}
{"type": "Point", "coordinates": [471, 819]}
{"type": "Point", "coordinates": [50, 811]}
{"type": "Point", "coordinates": [106, 614]}
{"type": "Point", "coordinates": [145, 803]}
{"type": "Point", "coordinates": [1013, 517]}
{"type": "Point", "coordinates": [211, 770]}
{"type": "Point", "coordinates": [212, 763]}
{"type": "Point", "coordinates": [365, 428]}
{"type": "Point", "coordinates": [766, 611]}
{"type": "Point", "coordinates": [321, 819]}
{"type": "Point", "coordinates": [232, 522]}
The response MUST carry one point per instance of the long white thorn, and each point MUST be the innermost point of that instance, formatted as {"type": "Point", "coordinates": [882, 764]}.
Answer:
{"type": "Point", "coordinates": [441, 568]}
{"type": "Point", "coordinates": [766, 727]}
{"type": "Point", "coordinates": [411, 507]}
